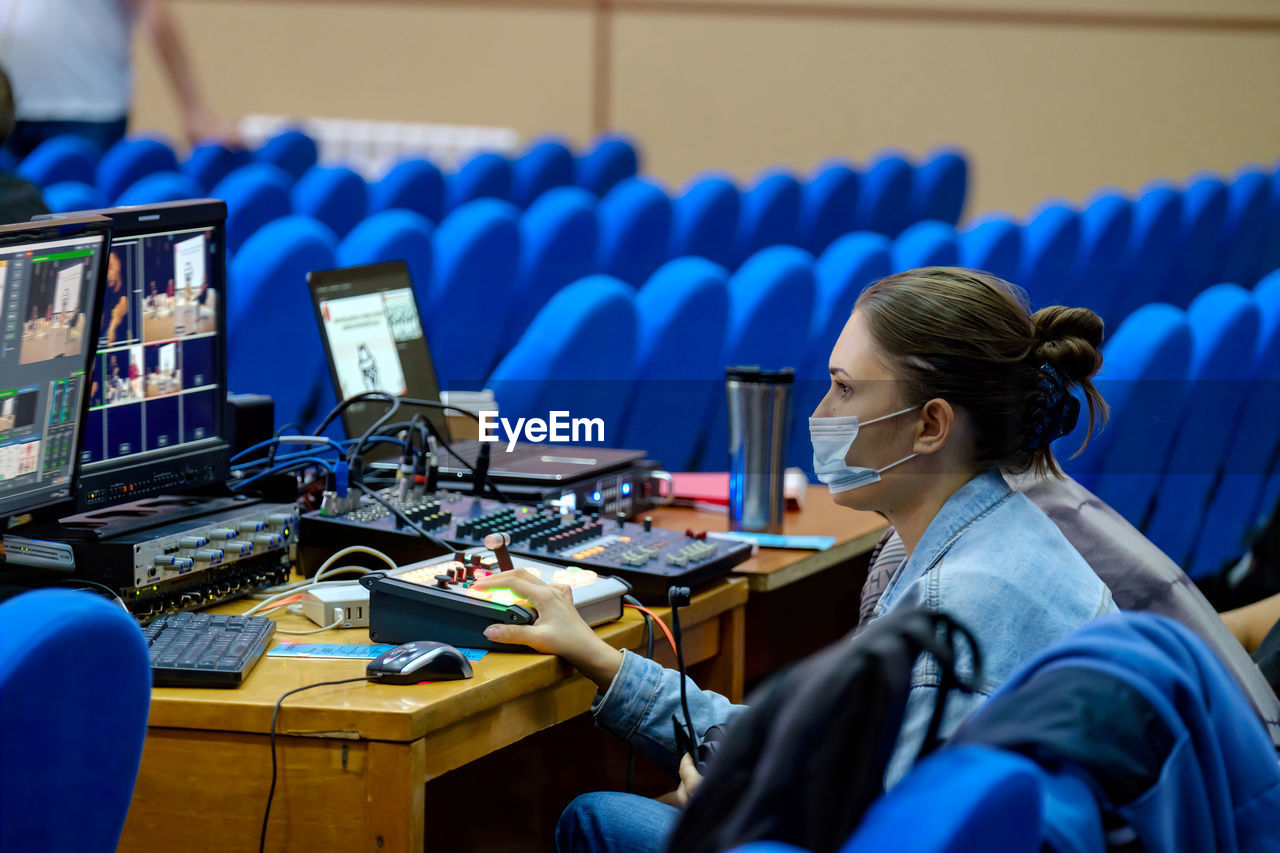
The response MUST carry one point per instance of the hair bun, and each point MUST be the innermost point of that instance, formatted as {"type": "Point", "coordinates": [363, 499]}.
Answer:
{"type": "Point", "coordinates": [1069, 339]}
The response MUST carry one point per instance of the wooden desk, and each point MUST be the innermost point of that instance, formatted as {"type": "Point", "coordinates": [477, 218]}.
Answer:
{"type": "Point", "coordinates": [354, 758]}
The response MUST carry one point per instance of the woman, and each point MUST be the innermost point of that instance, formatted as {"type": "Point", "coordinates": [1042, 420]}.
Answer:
{"type": "Point", "coordinates": [953, 381]}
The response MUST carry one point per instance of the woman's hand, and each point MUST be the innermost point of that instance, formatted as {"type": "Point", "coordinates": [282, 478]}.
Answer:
{"type": "Point", "coordinates": [690, 778]}
{"type": "Point", "coordinates": [558, 630]}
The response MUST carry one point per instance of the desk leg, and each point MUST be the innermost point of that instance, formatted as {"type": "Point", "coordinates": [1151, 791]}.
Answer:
{"type": "Point", "coordinates": [725, 672]}
{"type": "Point", "coordinates": [396, 802]}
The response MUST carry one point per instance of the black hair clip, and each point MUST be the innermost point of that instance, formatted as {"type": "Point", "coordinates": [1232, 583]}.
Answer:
{"type": "Point", "coordinates": [1054, 411]}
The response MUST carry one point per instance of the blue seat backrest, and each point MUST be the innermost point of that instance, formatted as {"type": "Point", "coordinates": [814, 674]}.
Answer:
{"type": "Point", "coordinates": [1105, 228]}
{"type": "Point", "coordinates": [545, 165]}
{"type": "Point", "coordinates": [577, 356]}
{"type": "Point", "coordinates": [1237, 503]}
{"type": "Point", "coordinates": [210, 162]}
{"type": "Point", "coordinates": [335, 195]}
{"type": "Point", "coordinates": [978, 799]}
{"type": "Point", "coordinates": [884, 202]}
{"type": "Point", "coordinates": [73, 195]}
{"type": "Point", "coordinates": [130, 160]}
{"type": "Point", "coordinates": [635, 230]}
{"type": "Point", "coordinates": [994, 244]}
{"type": "Point", "coordinates": [1240, 247]}
{"type": "Point", "coordinates": [416, 185]}
{"type": "Point", "coordinates": [704, 220]}
{"type": "Point", "coordinates": [559, 234]}
{"type": "Point", "coordinates": [941, 183]}
{"type": "Point", "coordinates": [770, 213]}
{"type": "Point", "coordinates": [290, 150]}
{"type": "Point", "coordinates": [771, 296]}
{"type": "Point", "coordinates": [1050, 244]}
{"type": "Point", "coordinates": [1204, 211]}
{"type": "Point", "coordinates": [1225, 323]}
{"type": "Point", "coordinates": [486, 175]}
{"type": "Point", "coordinates": [1157, 221]}
{"type": "Point", "coordinates": [926, 244]}
{"type": "Point", "coordinates": [844, 270]}
{"type": "Point", "coordinates": [62, 158]}
{"type": "Point", "coordinates": [477, 248]}
{"type": "Point", "coordinates": [1143, 378]}
{"type": "Point", "coordinates": [1269, 254]}
{"type": "Point", "coordinates": [392, 235]}
{"type": "Point", "coordinates": [828, 206]}
{"type": "Point", "coordinates": [161, 187]}
{"type": "Point", "coordinates": [612, 159]}
{"type": "Point", "coordinates": [72, 743]}
{"type": "Point", "coordinates": [683, 313]}
{"type": "Point", "coordinates": [268, 281]}
{"type": "Point", "coordinates": [255, 195]}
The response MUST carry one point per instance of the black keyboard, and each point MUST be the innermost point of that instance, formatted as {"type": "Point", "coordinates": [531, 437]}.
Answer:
{"type": "Point", "coordinates": [205, 649]}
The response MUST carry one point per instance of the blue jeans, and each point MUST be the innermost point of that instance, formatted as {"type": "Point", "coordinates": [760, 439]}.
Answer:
{"type": "Point", "coordinates": [610, 822]}
{"type": "Point", "coordinates": [28, 134]}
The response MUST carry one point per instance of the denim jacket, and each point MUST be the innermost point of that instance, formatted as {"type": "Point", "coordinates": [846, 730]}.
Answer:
{"type": "Point", "coordinates": [990, 559]}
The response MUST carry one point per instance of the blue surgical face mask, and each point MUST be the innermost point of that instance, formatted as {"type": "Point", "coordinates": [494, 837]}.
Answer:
{"type": "Point", "coordinates": [832, 438]}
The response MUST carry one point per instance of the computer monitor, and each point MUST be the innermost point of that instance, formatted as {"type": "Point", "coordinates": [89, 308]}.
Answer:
{"type": "Point", "coordinates": [156, 415]}
{"type": "Point", "coordinates": [51, 278]}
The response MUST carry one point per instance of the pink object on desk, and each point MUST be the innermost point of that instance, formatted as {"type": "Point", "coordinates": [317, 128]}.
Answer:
{"type": "Point", "coordinates": [710, 489]}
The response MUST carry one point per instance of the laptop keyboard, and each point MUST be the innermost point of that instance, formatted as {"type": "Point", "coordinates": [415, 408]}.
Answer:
{"type": "Point", "coordinates": [469, 452]}
{"type": "Point", "coordinates": [205, 649]}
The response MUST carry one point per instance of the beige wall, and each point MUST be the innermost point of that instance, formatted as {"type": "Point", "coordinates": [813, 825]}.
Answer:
{"type": "Point", "coordinates": [1050, 97]}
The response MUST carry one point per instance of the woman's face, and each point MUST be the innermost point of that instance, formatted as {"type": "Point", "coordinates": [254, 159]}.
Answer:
{"type": "Point", "coordinates": [863, 386]}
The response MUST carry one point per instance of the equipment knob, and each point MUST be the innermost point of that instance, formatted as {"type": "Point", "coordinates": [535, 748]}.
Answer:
{"type": "Point", "coordinates": [268, 540]}
{"type": "Point", "coordinates": [442, 581]}
{"type": "Point", "coordinates": [208, 555]}
{"type": "Point", "coordinates": [648, 523]}
{"type": "Point", "coordinates": [279, 519]}
{"type": "Point", "coordinates": [193, 541]}
{"type": "Point", "coordinates": [252, 526]}
{"type": "Point", "coordinates": [223, 533]}
{"type": "Point", "coordinates": [240, 548]}
{"type": "Point", "coordinates": [622, 520]}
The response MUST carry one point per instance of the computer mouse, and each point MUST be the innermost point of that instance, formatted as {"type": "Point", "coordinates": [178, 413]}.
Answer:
{"type": "Point", "coordinates": [423, 660]}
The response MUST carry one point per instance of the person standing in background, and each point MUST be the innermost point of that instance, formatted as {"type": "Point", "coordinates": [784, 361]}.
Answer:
{"type": "Point", "coordinates": [19, 199]}
{"type": "Point", "coordinates": [71, 66]}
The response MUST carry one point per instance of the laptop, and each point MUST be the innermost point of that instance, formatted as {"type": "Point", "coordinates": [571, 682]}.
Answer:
{"type": "Point", "coordinates": [374, 341]}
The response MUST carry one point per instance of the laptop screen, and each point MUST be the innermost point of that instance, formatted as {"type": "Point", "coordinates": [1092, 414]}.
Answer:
{"type": "Point", "coordinates": [374, 341]}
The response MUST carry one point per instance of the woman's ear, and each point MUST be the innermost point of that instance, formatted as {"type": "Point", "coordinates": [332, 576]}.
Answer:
{"type": "Point", "coordinates": [937, 420]}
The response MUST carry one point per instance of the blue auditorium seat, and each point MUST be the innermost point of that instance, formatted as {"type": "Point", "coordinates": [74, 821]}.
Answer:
{"type": "Point", "coordinates": [1240, 246]}
{"type": "Point", "coordinates": [1157, 220]}
{"type": "Point", "coordinates": [1050, 244]}
{"type": "Point", "coordinates": [635, 230]}
{"type": "Point", "coordinates": [771, 297]}
{"type": "Point", "coordinates": [844, 270]}
{"type": "Point", "coordinates": [335, 195]}
{"type": "Point", "coordinates": [8, 164]}
{"type": "Point", "coordinates": [255, 195]}
{"type": "Point", "coordinates": [73, 195]}
{"type": "Point", "coordinates": [545, 165]}
{"type": "Point", "coordinates": [72, 740]}
{"type": "Point", "coordinates": [769, 215]}
{"type": "Point", "coordinates": [161, 187]}
{"type": "Point", "coordinates": [683, 312]}
{"type": "Point", "coordinates": [828, 205]}
{"type": "Point", "coordinates": [130, 160]}
{"type": "Point", "coordinates": [61, 159]}
{"type": "Point", "coordinates": [1143, 378]}
{"type": "Point", "coordinates": [290, 150]}
{"type": "Point", "coordinates": [1238, 503]}
{"type": "Point", "coordinates": [704, 221]}
{"type": "Point", "coordinates": [210, 162]}
{"type": "Point", "coordinates": [1269, 256]}
{"type": "Point", "coordinates": [392, 235]}
{"type": "Point", "coordinates": [926, 244]}
{"type": "Point", "coordinates": [1225, 322]}
{"type": "Point", "coordinates": [1106, 225]}
{"type": "Point", "coordinates": [941, 183]}
{"type": "Point", "coordinates": [994, 244]}
{"type": "Point", "coordinates": [884, 202]}
{"type": "Point", "coordinates": [486, 175]}
{"type": "Point", "coordinates": [267, 283]}
{"type": "Point", "coordinates": [559, 234]}
{"type": "Point", "coordinates": [577, 356]}
{"type": "Point", "coordinates": [416, 185]}
{"type": "Point", "coordinates": [612, 159]}
{"type": "Point", "coordinates": [1204, 211]}
{"type": "Point", "coordinates": [477, 248]}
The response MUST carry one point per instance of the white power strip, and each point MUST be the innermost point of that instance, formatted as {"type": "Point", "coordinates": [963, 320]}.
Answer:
{"type": "Point", "coordinates": [327, 604]}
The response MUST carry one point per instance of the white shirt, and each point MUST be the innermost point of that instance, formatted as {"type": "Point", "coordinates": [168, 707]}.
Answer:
{"type": "Point", "coordinates": [68, 60]}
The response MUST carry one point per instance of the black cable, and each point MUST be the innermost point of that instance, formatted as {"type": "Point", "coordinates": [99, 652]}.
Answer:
{"type": "Point", "coordinates": [444, 549]}
{"type": "Point", "coordinates": [358, 447]}
{"type": "Point", "coordinates": [494, 491]}
{"type": "Point", "coordinates": [275, 714]}
{"type": "Point", "coordinates": [648, 652]}
{"type": "Point", "coordinates": [271, 451]}
{"type": "Point", "coordinates": [672, 594]}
